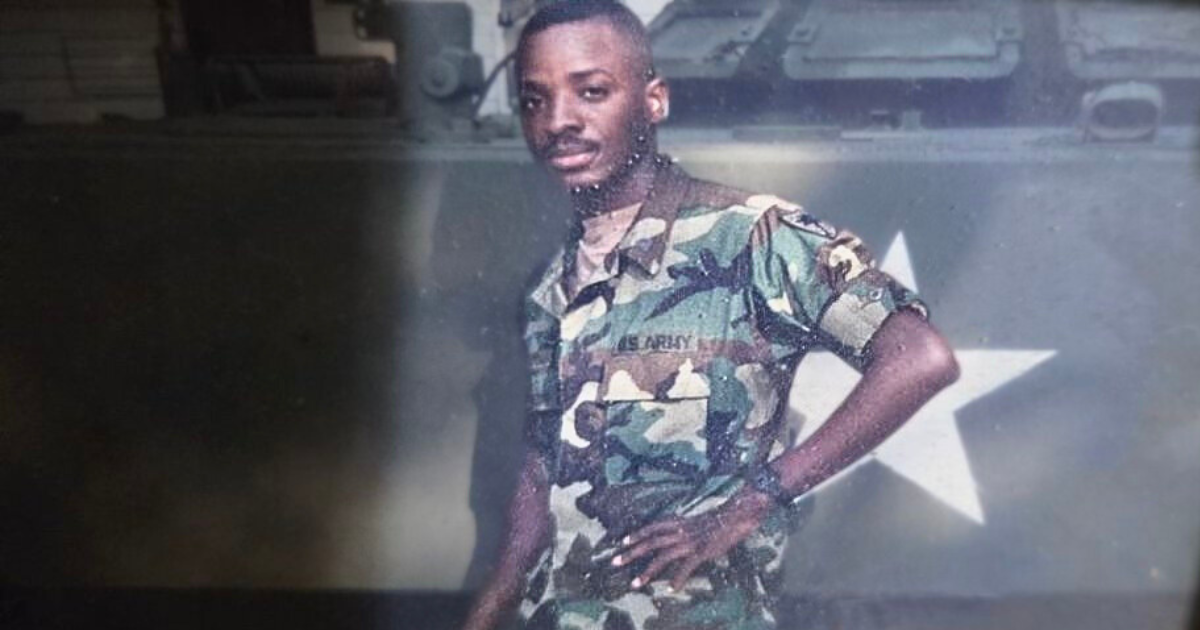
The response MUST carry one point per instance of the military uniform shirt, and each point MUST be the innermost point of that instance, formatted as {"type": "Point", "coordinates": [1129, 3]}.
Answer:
{"type": "Point", "coordinates": [664, 382]}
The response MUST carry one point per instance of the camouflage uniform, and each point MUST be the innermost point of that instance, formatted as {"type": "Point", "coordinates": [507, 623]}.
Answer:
{"type": "Point", "coordinates": [665, 381]}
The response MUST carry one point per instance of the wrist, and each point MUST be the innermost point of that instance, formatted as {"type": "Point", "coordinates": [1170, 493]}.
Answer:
{"type": "Point", "coordinates": [765, 481]}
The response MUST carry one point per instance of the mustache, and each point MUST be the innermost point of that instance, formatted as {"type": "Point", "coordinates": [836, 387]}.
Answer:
{"type": "Point", "coordinates": [566, 144]}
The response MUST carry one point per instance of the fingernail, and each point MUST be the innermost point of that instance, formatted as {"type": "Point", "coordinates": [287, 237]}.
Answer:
{"type": "Point", "coordinates": [616, 561]}
{"type": "Point", "coordinates": [637, 582]}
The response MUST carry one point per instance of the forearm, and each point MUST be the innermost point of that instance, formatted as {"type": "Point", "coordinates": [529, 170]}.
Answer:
{"type": "Point", "coordinates": [910, 364]}
{"type": "Point", "coordinates": [528, 525]}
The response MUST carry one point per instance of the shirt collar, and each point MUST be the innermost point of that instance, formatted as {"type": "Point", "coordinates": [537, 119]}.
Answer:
{"type": "Point", "coordinates": [646, 241]}
{"type": "Point", "coordinates": [643, 245]}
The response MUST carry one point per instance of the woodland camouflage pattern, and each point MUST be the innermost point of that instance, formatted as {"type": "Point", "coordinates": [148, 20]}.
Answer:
{"type": "Point", "coordinates": [663, 382]}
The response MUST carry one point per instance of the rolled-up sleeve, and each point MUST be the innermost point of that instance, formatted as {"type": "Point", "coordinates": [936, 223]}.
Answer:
{"type": "Point", "coordinates": [821, 285]}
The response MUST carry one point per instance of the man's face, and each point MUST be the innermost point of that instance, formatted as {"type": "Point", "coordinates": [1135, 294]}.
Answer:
{"type": "Point", "coordinates": [585, 101]}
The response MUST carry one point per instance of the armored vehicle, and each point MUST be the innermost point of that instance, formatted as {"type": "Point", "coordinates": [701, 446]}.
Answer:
{"type": "Point", "coordinates": [285, 354]}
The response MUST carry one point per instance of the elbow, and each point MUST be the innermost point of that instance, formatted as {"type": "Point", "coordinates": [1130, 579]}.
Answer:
{"type": "Point", "coordinates": [912, 346]}
{"type": "Point", "coordinates": [939, 364]}
{"type": "Point", "coordinates": [931, 359]}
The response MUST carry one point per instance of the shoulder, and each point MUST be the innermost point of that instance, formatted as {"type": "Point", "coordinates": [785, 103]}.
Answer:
{"type": "Point", "coordinates": [703, 196]}
{"type": "Point", "coordinates": [777, 215]}
{"type": "Point", "coordinates": [786, 232]}
{"type": "Point", "coordinates": [704, 193]}
{"type": "Point", "coordinates": [739, 218]}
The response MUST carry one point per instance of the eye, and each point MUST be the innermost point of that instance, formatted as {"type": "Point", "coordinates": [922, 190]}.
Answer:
{"type": "Point", "coordinates": [594, 93]}
{"type": "Point", "coordinates": [530, 102]}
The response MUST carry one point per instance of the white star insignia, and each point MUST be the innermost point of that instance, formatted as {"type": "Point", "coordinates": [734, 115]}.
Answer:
{"type": "Point", "coordinates": [928, 449]}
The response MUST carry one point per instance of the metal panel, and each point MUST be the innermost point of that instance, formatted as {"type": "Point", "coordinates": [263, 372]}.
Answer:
{"type": "Point", "coordinates": [701, 39]}
{"type": "Point", "coordinates": [14, 67]}
{"type": "Point", "coordinates": [963, 39]}
{"type": "Point", "coordinates": [1107, 41]}
{"type": "Point", "coordinates": [30, 44]}
{"type": "Point", "coordinates": [123, 21]}
{"type": "Point", "coordinates": [35, 90]}
{"type": "Point", "coordinates": [132, 257]}
{"type": "Point", "coordinates": [57, 57]}
{"type": "Point", "coordinates": [114, 66]}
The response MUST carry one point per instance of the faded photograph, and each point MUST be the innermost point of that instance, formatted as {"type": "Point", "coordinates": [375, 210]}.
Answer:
{"type": "Point", "coordinates": [654, 314]}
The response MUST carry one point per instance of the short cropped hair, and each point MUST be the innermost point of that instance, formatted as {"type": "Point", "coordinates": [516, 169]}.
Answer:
{"type": "Point", "coordinates": [615, 13]}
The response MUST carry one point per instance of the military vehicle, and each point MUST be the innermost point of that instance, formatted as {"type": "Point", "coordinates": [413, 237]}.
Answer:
{"type": "Point", "coordinates": [285, 353]}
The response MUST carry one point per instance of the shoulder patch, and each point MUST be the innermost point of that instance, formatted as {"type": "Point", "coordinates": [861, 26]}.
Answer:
{"type": "Point", "coordinates": [800, 219]}
{"type": "Point", "coordinates": [792, 214]}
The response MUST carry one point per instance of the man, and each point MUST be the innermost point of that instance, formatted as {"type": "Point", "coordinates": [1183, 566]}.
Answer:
{"type": "Point", "coordinates": [658, 487]}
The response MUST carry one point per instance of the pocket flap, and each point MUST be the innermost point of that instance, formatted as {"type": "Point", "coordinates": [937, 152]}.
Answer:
{"type": "Point", "coordinates": [654, 376]}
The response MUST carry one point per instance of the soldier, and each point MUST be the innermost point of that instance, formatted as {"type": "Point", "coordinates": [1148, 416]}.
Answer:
{"type": "Point", "coordinates": [658, 487]}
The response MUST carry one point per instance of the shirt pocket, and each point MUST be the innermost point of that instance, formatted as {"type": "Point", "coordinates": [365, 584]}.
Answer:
{"type": "Point", "coordinates": [656, 418]}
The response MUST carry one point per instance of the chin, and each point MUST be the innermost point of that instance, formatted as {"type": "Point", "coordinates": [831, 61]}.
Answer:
{"type": "Point", "coordinates": [595, 176]}
{"type": "Point", "coordinates": [581, 178]}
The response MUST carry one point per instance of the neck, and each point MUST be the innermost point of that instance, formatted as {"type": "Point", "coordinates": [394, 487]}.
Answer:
{"type": "Point", "coordinates": [633, 185]}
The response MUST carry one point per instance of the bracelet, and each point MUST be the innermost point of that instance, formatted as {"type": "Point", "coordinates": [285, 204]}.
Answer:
{"type": "Point", "coordinates": [766, 480]}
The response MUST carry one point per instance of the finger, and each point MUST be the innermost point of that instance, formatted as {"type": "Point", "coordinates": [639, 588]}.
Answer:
{"type": "Point", "coordinates": [645, 547]}
{"type": "Point", "coordinates": [685, 571]}
{"type": "Point", "coordinates": [653, 529]}
{"type": "Point", "coordinates": [660, 562]}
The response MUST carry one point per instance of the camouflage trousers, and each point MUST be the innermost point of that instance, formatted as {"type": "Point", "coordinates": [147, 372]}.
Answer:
{"type": "Point", "coordinates": [585, 592]}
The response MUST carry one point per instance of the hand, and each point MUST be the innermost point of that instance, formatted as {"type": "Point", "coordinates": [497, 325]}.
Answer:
{"type": "Point", "coordinates": [689, 542]}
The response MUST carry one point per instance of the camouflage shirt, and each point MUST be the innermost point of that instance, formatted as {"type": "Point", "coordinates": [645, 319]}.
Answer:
{"type": "Point", "coordinates": [664, 381]}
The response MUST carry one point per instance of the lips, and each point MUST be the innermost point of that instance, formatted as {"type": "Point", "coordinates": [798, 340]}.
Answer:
{"type": "Point", "coordinates": [571, 157]}
{"type": "Point", "coordinates": [572, 161]}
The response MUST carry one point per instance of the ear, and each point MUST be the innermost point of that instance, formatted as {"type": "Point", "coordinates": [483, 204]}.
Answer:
{"type": "Point", "coordinates": [658, 100]}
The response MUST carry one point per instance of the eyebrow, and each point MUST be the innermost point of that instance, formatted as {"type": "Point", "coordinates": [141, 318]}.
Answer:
{"type": "Point", "coordinates": [576, 77]}
{"type": "Point", "coordinates": [581, 75]}
{"type": "Point", "coordinates": [527, 84]}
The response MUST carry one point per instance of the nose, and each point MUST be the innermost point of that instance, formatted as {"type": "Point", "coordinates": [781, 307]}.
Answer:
{"type": "Point", "coordinates": [564, 116]}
